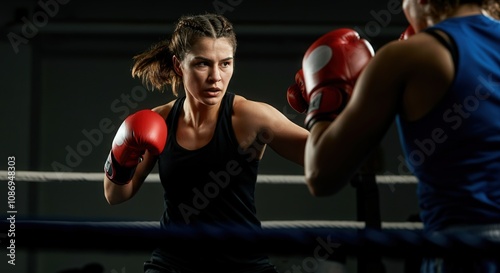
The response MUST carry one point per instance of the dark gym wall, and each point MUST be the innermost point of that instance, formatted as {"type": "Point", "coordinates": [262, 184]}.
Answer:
{"type": "Point", "coordinates": [66, 87]}
{"type": "Point", "coordinates": [66, 65]}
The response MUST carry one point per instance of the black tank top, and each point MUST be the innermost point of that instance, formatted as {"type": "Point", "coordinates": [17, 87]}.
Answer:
{"type": "Point", "coordinates": [214, 185]}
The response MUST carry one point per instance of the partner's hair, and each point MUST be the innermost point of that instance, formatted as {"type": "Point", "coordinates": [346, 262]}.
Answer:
{"type": "Point", "coordinates": [444, 7]}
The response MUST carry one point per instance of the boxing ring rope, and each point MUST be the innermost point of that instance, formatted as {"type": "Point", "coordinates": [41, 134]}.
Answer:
{"type": "Point", "coordinates": [390, 239]}
{"type": "Point", "coordinates": [33, 176]}
{"type": "Point", "coordinates": [274, 238]}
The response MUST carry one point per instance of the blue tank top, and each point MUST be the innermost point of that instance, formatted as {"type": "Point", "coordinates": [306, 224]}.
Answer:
{"type": "Point", "coordinates": [212, 185]}
{"type": "Point", "coordinates": [454, 150]}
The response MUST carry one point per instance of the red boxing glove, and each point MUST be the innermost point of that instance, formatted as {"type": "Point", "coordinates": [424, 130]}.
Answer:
{"type": "Point", "coordinates": [141, 131]}
{"type": "Point", "coordinates": [331, 66]}
{"type": "Point", "coordinates": [409, 31]}
{"type": "Point", "coordinates": [296, 94]}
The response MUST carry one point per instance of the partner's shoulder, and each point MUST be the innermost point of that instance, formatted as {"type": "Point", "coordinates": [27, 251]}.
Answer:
{"type": "Point", "coordinates": [419, 48]}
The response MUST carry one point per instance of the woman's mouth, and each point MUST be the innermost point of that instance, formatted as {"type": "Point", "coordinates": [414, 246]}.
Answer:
{"type": "Point", "coordinates": [213, 91]}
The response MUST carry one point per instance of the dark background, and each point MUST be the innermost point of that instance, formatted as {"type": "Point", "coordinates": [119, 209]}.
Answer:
{"type": "Point", "coordinates": [66, 87]}
{"type": "Point", "coordinates": [64, 72]}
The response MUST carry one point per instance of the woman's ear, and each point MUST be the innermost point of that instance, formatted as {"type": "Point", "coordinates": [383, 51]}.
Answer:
{"type": "Point", "coordinates": [177, 65]}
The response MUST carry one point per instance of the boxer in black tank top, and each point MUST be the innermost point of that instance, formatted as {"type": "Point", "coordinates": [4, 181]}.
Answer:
{"type": "Point", "coordinates": [220, 191]}
{"type": "Point", "coordinates": [207, 144]}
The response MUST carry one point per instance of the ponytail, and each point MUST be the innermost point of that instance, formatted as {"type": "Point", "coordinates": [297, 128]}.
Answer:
{"type": "Point", "coordinates": [155, 68]}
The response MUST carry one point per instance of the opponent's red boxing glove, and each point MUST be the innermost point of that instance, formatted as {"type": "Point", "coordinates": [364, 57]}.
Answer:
{"type": "Point", "coordinates": [296, 94]}
{"type": "Point", "coordinates": [409, 31]}
{"type": "Point", "coordinates": [141, 131]}
{"type": "Point", "coordinates": [331, 66]}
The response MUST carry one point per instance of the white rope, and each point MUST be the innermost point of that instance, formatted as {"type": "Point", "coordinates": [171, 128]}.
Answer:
{"type": "Point", "coordinates": [272, 224]}
{"type": "Point", "coordinates": [396, 179]}
{"type": "Point", "coordinates": [34, 176]}
{"type": "Point", "coordinates": [281, 179]}
{"type": "Point", "coordinates": [338, 224]}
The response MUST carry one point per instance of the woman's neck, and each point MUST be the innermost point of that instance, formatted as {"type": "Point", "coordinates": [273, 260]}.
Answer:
{"type": "Point", "coordinates": [466, 10]}
{"type": "Point", "coordinates": [197, 114]}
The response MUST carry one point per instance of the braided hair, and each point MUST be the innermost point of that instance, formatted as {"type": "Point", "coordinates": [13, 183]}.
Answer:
{"type": "Point", "coordinates": [155, 67]}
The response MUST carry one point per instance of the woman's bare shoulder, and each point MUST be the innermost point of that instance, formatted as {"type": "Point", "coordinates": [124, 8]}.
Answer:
{"type": "Point", "coordinates": [164, 109]}
{"type": "Point", "coordinates": [244, 105]}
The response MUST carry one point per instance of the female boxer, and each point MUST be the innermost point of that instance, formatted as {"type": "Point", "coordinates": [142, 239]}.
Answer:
{"type": "Point", "coordinates": [207, 144]}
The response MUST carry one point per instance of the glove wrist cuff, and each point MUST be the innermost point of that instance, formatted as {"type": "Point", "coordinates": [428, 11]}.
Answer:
{"type": "Point", "coordinates": [116, 173]}
{"type": "Point", "coordinates": [325, 104]}
{"type": "Point", "coordinates": [311, 120]}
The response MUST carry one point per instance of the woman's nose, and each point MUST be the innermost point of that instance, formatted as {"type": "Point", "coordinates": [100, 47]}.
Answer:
{"type": "Point", "coordinates": [215, 75]}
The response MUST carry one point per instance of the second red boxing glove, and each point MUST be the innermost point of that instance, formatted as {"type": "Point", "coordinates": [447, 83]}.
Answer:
{"type": "Point", "coordinates": [296, 94]}
{"type": "Point", "coordinates": [331, 66]}
{"type": "Point", "coordinates": [409, 31]}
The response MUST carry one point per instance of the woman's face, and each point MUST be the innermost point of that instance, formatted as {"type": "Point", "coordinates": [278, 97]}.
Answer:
{"type": "Point", "coordinates": [207, 69]}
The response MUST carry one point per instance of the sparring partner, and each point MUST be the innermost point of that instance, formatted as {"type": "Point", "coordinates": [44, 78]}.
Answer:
{"type": "Point", "coordinates": [207, 143]}
{"type": "Point", "coordinates": [442, 87]}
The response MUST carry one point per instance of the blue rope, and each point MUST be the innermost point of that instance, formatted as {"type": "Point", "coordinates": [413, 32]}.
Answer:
{"type": "Point", "coordinates": [145, 236]}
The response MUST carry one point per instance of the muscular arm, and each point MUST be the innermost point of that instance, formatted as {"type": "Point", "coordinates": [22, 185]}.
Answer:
{"type": "Point", "coordinates": [335, 150]}
{"type": "Point", "coordinates": [271, 127]}
{"type": "Point", "coordinates": [408, 78]}
{"type": "Point", "coordinates": [287, 138]}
